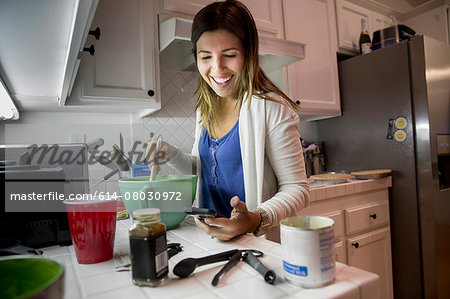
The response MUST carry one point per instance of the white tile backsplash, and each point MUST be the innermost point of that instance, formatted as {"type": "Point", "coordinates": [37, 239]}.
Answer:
{"type": "Point", "coordinates": [175, 122]}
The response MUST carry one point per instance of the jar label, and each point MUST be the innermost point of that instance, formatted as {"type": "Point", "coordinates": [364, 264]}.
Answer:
{"type": "Point", "coordinates": [148, 257]}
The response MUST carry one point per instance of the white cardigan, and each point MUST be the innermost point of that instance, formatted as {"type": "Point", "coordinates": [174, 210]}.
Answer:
{"type": "Point", "coordinates": [272, 159]}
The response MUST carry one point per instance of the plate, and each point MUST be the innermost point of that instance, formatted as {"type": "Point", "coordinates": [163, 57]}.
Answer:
{"type": "Point", "coordinates": [371, 174]}
{"type": "Point", "coordinates": [331, 178]}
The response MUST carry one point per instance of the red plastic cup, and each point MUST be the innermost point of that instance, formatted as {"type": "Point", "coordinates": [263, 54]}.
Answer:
{"type": "Point", "coordinates": [92, 228]}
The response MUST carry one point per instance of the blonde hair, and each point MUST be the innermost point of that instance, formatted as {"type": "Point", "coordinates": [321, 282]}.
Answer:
{"type": "Point", "coordinates": [235, 17]}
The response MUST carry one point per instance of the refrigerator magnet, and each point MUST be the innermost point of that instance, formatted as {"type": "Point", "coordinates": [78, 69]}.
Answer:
{"type": "Point", "coordinates": [400, 135]}
{"type": "Point", "coordinates": [400, 123]}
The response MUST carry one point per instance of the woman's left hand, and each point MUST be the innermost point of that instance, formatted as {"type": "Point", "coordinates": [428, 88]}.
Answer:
{"type": "Point", "coordinates": [241, 221]}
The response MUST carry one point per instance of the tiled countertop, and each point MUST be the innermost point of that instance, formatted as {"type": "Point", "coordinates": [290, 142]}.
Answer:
{"type": "Point", "coordinates": [102, 281]}
{"type": "Point", "coordinates": [321, 191]}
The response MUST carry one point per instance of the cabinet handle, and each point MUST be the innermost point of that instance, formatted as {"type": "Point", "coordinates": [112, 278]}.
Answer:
{"type": "Point", "coordinates": [96, 33]}
{"type": "Point", "coordinates": [373, 216]}
{"type": "Point", "coordinates": [151, 93]}
{"type": "Point", "coordinates": [91, 50]}
{"type": "Point", "coordinates": [356, 245]}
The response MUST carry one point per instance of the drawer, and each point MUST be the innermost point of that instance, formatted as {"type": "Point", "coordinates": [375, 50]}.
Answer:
{"type": "Point", "coordinates": [338, 223]}
{"type": "Point", "coordinates": [361, 218]}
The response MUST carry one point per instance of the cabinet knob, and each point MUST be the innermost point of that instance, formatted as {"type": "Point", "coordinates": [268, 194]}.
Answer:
{"type": "Point", "coordinates": [297, 102]}
{"type": "Point", "coordinates": [373, 216]}
{"type": "Point", "coordinates": [96, 33]}
{"type": "Point", "coordinates": [91, 50]}
{"type": "Point", "coordinates": [151, 93]}
{"type": "Point", "coordinates": [356, 244]}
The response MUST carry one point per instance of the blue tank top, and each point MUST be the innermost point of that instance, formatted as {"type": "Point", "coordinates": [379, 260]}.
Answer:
{"type": "Point", "coordinates": [222, 174]}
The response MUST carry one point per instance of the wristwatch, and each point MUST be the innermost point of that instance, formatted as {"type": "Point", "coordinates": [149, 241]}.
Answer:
{"type": "Point", "coordinates": [264, 224]}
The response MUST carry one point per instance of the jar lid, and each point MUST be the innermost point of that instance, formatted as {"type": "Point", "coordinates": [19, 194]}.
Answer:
{"type": "Point", "coordinates": [151, 214]}
{"type": "Point", "coordinates": [146, 212]}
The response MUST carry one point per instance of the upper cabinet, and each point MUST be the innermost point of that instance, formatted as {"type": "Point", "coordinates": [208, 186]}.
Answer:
{"type": "Point", "coordinates": [349, 17]}
{"type": "Point", "coordinates": [39, 48]}
{"type": "Point", "coordinates": [314, 80]}
{"type": "Point", "coordinates": [268, 14]}
{"type": "Point", "coordinates": [123, 73]}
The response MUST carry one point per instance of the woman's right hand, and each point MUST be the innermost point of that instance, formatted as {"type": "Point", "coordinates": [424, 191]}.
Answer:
{"type": "Point", "coordinates": [159, 156]}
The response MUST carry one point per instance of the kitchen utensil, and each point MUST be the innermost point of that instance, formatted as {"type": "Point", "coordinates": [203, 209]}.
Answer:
{"type": "Point", "coordinates": [95, 143]}
{"type": "Point", "coordinates": [155, 165]}
{"type": "Point", "coordinates": [172, 249]}
{"type": "Point", "coordinates": [185, 267]}
{"type": "Point", "coordinates": [122, 161]}
{"type": "Point", "coordinates": [230, 264]}
{"type": "Point", "coordinates": [121, 142]}
{"type": "Point", "coordinates": [13, 247]}
{"type": "Point", "coordinates": [92, 226]}
{"type": "Point", "coordinates": [331, 178]}
{"type": "Point", "coordinates": [169, 193]}
{"type": "Point", "coordinates": [23, 276]}
{"type": "Point", "coordinates": [371, 174]}
{"type": "Point", "coordinates": [255, 263]}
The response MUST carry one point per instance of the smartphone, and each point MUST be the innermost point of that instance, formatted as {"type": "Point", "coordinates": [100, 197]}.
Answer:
{"type": "Point", "coordinates": [202, 213]}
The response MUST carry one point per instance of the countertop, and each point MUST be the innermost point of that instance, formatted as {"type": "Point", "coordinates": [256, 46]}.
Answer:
{"type": "Point", "coordinates": [102, 281]}
{"type": "Point", "coordinates": [323, 191]}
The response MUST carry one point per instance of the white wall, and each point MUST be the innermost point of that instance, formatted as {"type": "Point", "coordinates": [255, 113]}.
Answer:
{"type": "Point", "coordinates": [433, 23]}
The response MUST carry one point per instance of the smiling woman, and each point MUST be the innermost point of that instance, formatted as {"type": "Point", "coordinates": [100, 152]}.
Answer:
{"type": "Point", "coordinates": [220, 61]}
{"type": "Point", "coordinates": [247, 152]}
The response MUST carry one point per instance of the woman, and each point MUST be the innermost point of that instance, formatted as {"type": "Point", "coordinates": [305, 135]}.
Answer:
{"type": "Point", "coordinates": [247, 149]}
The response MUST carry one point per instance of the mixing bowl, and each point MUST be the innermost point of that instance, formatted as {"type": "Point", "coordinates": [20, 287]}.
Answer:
{"type": "Point", "coordinates": [24, 276]}
{"type": "Point", "coordinates": [169, 193]}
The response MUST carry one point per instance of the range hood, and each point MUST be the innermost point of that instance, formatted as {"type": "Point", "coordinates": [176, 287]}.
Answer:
{"type": "Point", "coordinates": [176, 48]}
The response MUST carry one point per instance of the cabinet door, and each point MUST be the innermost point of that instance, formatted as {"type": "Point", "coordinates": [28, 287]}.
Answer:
{"type": "Point", "coordinates": [372, 252]}
{"type": "Point", "coordinates": [339, 251]}
{"type": "Point", "coordinates": [190, 7]}
{"type": "Point", "coordinates": [268, 14]}
{"type": "Point", "coordinates": [124, 67]}
{"type": "Point", "coordinates": [349, 18]}
{"type": "Point", "coordinates": [377, 21]}
{"type": "Point", "coordinates": [314, 80]}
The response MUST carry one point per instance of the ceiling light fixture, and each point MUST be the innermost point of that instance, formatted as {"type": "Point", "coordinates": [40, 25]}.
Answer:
{"type": "Point", "coordinates": [8, 110]}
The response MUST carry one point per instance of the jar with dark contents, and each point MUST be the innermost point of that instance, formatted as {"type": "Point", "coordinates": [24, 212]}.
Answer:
{"type": "Point", "coordinates": [148, 248]}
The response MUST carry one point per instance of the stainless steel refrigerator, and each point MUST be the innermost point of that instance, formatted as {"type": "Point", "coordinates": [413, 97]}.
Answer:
{"type": "Point", "coordinates": [396, 115]}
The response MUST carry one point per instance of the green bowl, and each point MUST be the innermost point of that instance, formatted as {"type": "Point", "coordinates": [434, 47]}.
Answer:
{"type": "Point", "coordinates": [169, 193]}
{"type": "Point", "coordinates": [30, 277]}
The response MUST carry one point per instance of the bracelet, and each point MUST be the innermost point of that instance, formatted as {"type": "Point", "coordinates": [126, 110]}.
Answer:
{"type": "Point", "coordinates": [264, 224]}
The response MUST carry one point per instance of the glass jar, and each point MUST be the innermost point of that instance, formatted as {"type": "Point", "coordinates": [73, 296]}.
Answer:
{"type": "Point", "coordinates": [148, 248]}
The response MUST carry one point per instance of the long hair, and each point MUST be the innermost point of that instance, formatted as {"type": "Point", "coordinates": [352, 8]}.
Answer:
{"type": "Point", "coordinates": [236, 18]}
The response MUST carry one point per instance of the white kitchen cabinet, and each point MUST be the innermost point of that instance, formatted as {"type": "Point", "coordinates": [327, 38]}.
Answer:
{"type": "Point", "coordinates": [372, 252]}
{"type": "Point", "coordinates": [340, 252]}
{"type": "Point", "coordinates": [361, 226]}
{"type": "Point", "coordinates": [268, 14]}
{"type": "Point", "coordinates": [314, 80]}
{"type": "Point", "coordinates": [123, 75]}
{"type": "Point", "coordinates": [377, 22]}
{"type": "Point", "coordinates": [349, 17]}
